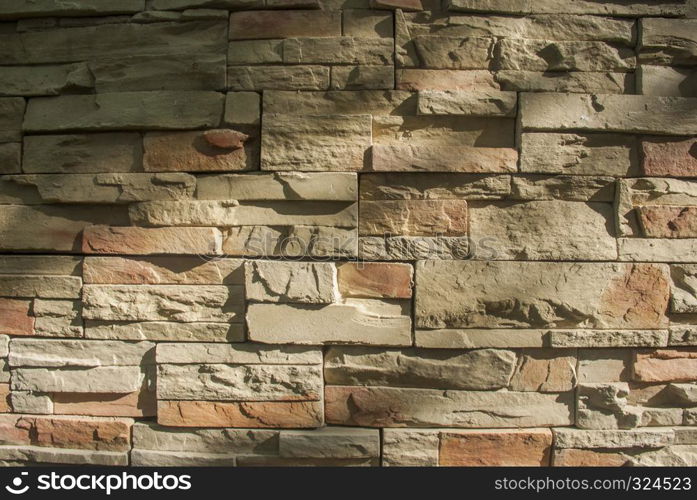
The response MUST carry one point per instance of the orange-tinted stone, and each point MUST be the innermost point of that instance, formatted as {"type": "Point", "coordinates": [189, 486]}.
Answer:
{"type": "Point", "coordinates": [666, 365]}
{"type": "Point", "coordinates": [375, 280]}
{"type": "Point", "coordinates": [504, 447]}
{"type": "Point", "coordinates": [15, 317]}
{"type": "Point", "coordinates": [670, 158]}
{"type": "Point", "coordinates": [668, 221]}
{"type": "Point", "coordinates": [135, 404]}
{"type": "Point", "coordinates": [588, 458]}
{"type": "Point", "coordinates": [146, 241]}
{"type": "Point", "coordinates": [282, 414]}
{"type": "Point", "coordinates": [5, 406]}
{"type": "Point", "coordinates": [413, 218]}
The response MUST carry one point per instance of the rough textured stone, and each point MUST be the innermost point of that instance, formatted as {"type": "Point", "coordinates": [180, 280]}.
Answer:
{"type": "Point", "coordinates": [247, 354]}
{"type": "Point", "coordinates": [499, 294]}
{"type": "Point", "coordinates": [519, 447]}
{"type": "Point", "coordinates": [314, 143]}
{"type": "Point", "coordinates": [320, 186]}
{"type": "Point", "coordinates": [565, 438]}
{"type": "Point", "coordinates": [407, 447]}
{"type": "Point", "coordinates": [148, 72]}
{"type": "Point", "coordinates": [184, 303]}
{"type": "Point", "coordinates": [374, 102]}
{"type": "Point", "coordinates": [540, 230]}
{"type": "Point", "coordinates": [44, 80]}
{"type": "Point", "coordinates": [545, 55]}
{"type": "Point", "coordinates": [413, 247]}
{"type": "Point", "coordinates": [224, 382]}
{"type": "Point", "coordinates": [394, 407]}
{"type": "Point", "coordinates": [233, 213]}
{"type": "Point", "coordinates": [74, 44]}
{"type": "Point", "coordinates": [477, 338]}
{"type": "Point", "coordinates": [367, 23]}
{"type": "Point", "coordinates": [15, 318]}
{"type": "Point", "coordinates": [665, 365]}
{"type": "Point", "coordinates": [330, 442]}
{"type": "Point", "coordinates": [290, 24]}
{"type": "Point", "coordinates": [124, 110]}
{"type": "Point", "coordinates": [82, 154]}
{"type": "Point", "coordinates": [247, 78]}
{"type": "Point", "coordinates": [248, 414]}
{"type": "Point", "coordinates": [657, 249]}
{"type": "Point", "coordinates": [563, 187]}
{"type": "Point", "coordinates": [587, 154]}
{"type": "Point", "coordinates": [74, 8]}
{"type": "Point", "coordinates": [427, 79]}
{"type": "Point", "coordinates": [242, 108]}
{"type": "Point", "coordinates": [361, 77]}
{"type": "Point", "coordinates": [413, 217]}
{"type": "Point", "coordinates": [165, 331]}
{"type": "Point", "coordinates": [103, 188]}
{"type": "Point", "coordinates": [162, 271]}
{"type": "Point", "coordinates": [479, 103]}
{"type": "Point", "coordinates": [615, 113]}
{"type": "Point", "coordinates": [103, 379]}
{"type": "Point", "coordinates": [545, 370]}
{"type": "Point", "coordinates": [670, 158]}
{"type": "Point", "coordinates": [375, 280]}
{"type": "Point", "coordinates": [56, 287]}
{"type": "Point", "coordinates": [10, 158]}
{"type": "Point", "coordinates": [608, 338]}
{"type": "Point", "coordinates": [291, 241]}
{"type": "Point", "coordinates": [583, 82]}
{"type": "Point", "coordinates": [381, 323]}
{"type": "Point", "coordinates": [103, 434]}
{"type": "Point", "coordinates": [668, 42]}
{"type": "Point", "coordinates": [480, 370]}
{"type": "Point", "coordinates": [295, 282]}
{"type": "Point", "coordinates": [665, 81]}
{"type": "Point", "coordinates": [404, 158]}
{"type": "Point", "coordinates": [11, 112]}
{"type": "Point", "coordinates": [566, 7]}
{"type": "Point", "coordinates": [149, 241]}
{"type": "Point", "coordinates": [435, 186]}
{"type": "Point", "coordinates": [83, 353]}
{"type": "Point", "coordinates": [667, 221]}
{"type": "Point", "coordinates": [605, 406]}
{"type": "Point", "coordinates": [197, 152]}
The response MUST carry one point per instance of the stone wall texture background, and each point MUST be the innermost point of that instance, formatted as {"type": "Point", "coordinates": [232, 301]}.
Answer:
{"type": "Point", "coordinates": [348, 232]}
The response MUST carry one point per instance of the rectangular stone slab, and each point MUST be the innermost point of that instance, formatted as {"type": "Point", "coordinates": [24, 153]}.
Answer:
{"type": "Point", "coordinates": [355, 322]}
{"type": "Point", "coordinates": [457, 294]}
{"type": "Point", "coordinates": [612, 113]}
{"type": "Point", "coordinates": [394, 407]}
{"type": "Point", "coordinates": [224, 382]}
{"type": "Point", "coordinates": [125, 111]}
{"type": "Point", "coordinates": [186, 303]}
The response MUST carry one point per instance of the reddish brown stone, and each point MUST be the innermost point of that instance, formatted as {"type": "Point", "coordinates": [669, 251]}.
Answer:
{"type": "Point", "coordinates": [445, 79]}
{"type": "Point", "coordinates": [5, 406]}
{"type": "Point", "coordinates": [105, 434]}
{"type": "Point", "coordinates": [669, 158]}
{"type": "Point", "coordinates": [668, 221]}
{"type": "Point", "coordinates": [284, 24]}
{"type": "Point", "coordinates": [282, 414]}
{"type": "Point", "coordinates": [193, 152]}
{"type": "Point", "coordinates": [15, 317]}
{"type": "Point", "coordinates": [639, 297]}
{"type": "Point", "coordinates": [588, 458]}
{"type": "Point", "coordinates": [164, 270]}
{"type": "Point", "coordinates": [665, 365]}
{"type": "Point", "coordinates": [375, 280]}
{"type": "Point", "coordinates": [504, 447]}
{"type": "Point", "coordinates": [147, 241]}
{"type": "Point", "coordinates": [413, 218]}
{"type": "Point", "coordinates": [225, 138]}
{"type": "Point", "coordinates": [545, 370]}
{"type": "Point", "coordinates": [135, 404]}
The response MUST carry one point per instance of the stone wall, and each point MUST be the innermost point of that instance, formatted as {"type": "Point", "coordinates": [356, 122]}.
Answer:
{"type": "Point", "coordinates": [348, 232]}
